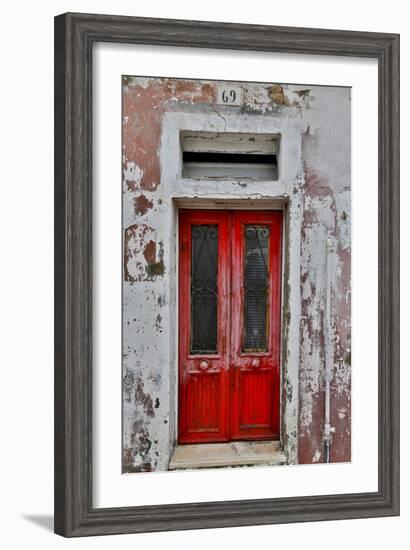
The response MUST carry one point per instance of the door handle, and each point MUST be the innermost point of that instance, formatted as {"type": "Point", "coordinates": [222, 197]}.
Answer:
{"type": "Point", "coordinates": [203, 365]}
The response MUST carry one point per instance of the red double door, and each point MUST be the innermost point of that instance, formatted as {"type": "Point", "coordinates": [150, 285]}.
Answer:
{"type": "Point", "coordinates": [229, 325]}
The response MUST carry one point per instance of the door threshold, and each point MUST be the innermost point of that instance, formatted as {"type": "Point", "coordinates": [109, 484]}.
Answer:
{"type": "Point", "coordinates": [235, 453]}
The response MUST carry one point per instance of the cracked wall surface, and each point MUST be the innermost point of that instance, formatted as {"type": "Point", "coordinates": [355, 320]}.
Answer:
{"type": "Point", "coordinates": [313, 188]}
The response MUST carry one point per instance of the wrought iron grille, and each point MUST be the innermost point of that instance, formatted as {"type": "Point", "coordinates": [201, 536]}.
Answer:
{"type": "Point", "coordinates": [256, 287]}
{"type": "Point", "coordinates": [204, 289]}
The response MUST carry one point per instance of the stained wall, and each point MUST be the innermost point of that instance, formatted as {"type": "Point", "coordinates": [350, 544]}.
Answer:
{"type": "Point", "coordinates": [313, 189]}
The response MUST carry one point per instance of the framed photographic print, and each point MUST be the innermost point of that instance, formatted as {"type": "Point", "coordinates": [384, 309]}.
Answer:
{"type": "Point", "coordinates": [226, 274]}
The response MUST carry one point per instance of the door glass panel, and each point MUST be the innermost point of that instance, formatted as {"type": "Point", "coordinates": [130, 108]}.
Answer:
{"type": "Point", "coordinates": [204, 289]}
{"type": "Point", "coordinates": [256, 281]}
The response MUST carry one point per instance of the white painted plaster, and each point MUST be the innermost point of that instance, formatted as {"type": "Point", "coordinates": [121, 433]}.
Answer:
{"type": "Point", "coordinates": [314, 131]}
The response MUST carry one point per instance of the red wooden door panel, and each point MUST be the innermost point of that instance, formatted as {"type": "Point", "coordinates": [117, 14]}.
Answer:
{"type": "Point", "coordinates": [255, 326]}
{"type": "Point", "coordinates": [203, 304]}
{"type": "Point", "coordinates": [229, 325]}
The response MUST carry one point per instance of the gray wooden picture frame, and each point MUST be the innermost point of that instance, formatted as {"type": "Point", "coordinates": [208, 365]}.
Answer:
{"type": "Point", "coordinates": [75, 35]}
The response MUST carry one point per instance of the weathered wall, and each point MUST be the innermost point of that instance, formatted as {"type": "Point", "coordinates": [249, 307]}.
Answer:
{"type": "Point", "coordinates": [314, 189]}
{"type": "Point", "coordinates": [326, 215]}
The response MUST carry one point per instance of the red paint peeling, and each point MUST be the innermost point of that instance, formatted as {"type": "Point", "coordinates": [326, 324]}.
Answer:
{"type": "Point", "coordinates": [131, 185]}
{"type": "Point", "coordinates": [142, 204]}
{"type": "Point", "coordinates": [341, 443]}
{"type": "Point", "coordinates": [136, 248]}
{"type": "Point", "coordinates": [314, 184]}
{"type": "Point", "coordinates": [150, 252]}
{"type": "Point", "coordinates": [310, 442]}
{"type": "Point", "coordinates": [143, 108]}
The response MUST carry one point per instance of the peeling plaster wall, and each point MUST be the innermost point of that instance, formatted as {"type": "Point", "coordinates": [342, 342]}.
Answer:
{"type": "Point", "coordinates": [326, 215]}
{"type": "Point", "coordinates": [314, 190]}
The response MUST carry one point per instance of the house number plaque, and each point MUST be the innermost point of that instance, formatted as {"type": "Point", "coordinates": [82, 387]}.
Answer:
{"type": "Point", "coordinates": [229, 95]}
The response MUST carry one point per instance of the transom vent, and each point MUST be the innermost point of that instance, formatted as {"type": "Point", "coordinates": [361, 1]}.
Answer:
{"type": "Point", "coordinates": [227, 155]}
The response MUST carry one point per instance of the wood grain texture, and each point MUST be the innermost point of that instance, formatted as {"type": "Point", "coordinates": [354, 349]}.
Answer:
{"type": "Point", "coordinates": [74, 38]}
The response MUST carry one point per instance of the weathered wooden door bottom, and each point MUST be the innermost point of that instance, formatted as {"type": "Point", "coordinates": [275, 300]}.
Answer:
{"type": "Point", "coordinates": [229, 325]}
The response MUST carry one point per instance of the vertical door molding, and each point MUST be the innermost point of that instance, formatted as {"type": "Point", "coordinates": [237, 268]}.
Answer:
{"type": "Point", "coordinates": [291, 314]}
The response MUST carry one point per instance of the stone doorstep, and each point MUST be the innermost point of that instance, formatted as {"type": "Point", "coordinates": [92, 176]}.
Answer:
{"type": "Point", "coordinates": [238, 453]}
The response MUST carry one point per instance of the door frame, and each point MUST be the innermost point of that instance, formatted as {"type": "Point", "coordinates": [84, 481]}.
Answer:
{"type": "Point", "coordinates": [235, 205]}
{"type": "Point", "coordinates": [285, 194]}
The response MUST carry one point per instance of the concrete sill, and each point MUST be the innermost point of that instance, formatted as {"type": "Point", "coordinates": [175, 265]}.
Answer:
{"type": "Point", "coordinates": [238, 453]}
